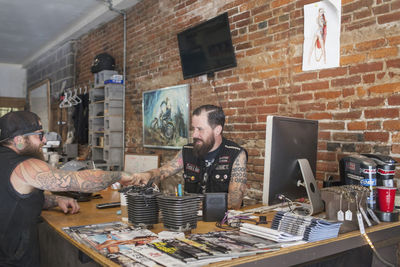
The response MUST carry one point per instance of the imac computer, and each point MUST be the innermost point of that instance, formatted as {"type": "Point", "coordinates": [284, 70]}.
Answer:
{"type": "Point", "coordinates": [290, 161]}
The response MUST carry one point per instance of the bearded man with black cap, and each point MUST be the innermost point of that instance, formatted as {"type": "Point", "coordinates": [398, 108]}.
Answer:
{"type": "Point", "coordinates": [211, 163]}
{"type": "Point", "coordinates": [23, 177]}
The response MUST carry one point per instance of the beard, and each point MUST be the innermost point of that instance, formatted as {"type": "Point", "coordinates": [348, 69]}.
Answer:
{"type": "Point", "coordinates": [31, 150]}
{"type": "Point", "coordinates": [202, 147]}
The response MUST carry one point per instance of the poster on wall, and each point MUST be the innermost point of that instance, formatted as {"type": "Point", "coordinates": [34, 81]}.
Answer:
{"type": "Point", "coordinates": [166, 117]}
{"type": "Point", "coordinates": [321, 47]}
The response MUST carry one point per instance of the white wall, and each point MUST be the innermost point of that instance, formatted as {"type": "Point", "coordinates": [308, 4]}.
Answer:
{"type": "Point", "coordinates": [12, 80]}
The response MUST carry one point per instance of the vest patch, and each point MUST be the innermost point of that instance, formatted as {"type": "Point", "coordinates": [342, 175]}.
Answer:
{"type": "Point", "coordinates": [192, 167]}
{"type": "Point", "coordinates": [222, 167]}
{"type": "Point", "coordinates": [224, 159]}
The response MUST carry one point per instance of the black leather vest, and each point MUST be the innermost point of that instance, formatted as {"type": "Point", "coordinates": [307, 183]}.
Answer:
{"type": "Point", "coordinates": [19, 216]}
{"type": "Point", "coordinates": [218, 175]}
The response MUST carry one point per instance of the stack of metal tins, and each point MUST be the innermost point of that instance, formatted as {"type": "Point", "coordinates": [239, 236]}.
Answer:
{"type": "Point", "coordinates": [179, 213]}
{"type": "Point", "coordinates": [142, 207]}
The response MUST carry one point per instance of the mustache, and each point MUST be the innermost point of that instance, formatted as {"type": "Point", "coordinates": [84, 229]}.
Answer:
{"type": "Point", "coordinates": [197, 139]}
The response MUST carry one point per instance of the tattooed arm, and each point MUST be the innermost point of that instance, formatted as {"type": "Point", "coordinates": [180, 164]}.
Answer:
{"type": "Point", "coordinates": [34, 173]}
{"type": "Point", "coordinates": [237, 185]}
{"type": "Point", "coordinates": [170, 168]}
{"type": "Point", "coordinates": [65, 203]}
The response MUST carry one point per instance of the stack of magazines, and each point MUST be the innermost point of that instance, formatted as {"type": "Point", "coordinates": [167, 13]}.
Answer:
{"type": "Point", "coordinates": [310, 228]}
{"type": "Point", "coordinates": [129, 246]}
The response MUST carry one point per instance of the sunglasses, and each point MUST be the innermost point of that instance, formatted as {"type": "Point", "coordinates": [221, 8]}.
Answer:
{"type": "Point", "coordinates": [40, 134]}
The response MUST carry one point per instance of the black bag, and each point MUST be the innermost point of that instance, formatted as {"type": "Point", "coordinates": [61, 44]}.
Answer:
{"type": "Point", "coordinates": [101, 62]}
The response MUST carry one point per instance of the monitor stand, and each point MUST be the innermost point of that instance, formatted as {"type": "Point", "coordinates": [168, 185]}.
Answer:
{"type": "Point", "coordinates": [314, 195]}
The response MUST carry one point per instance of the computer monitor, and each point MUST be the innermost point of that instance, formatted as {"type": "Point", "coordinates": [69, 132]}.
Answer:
{"type": "Point", "coordinates": [290, 161]}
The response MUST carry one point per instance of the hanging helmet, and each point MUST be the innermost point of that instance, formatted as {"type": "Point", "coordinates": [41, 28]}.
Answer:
{"type": "Point", "coordinates": [101, 62]}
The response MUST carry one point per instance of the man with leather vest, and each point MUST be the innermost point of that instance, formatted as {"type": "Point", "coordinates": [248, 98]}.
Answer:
{"type": "Point", "coordinates": [211, 163]}
{"type": "Point", "coordinates": [23, 177]}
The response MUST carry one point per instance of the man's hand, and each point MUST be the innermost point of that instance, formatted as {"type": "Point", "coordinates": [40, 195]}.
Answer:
{"type": "Point", "coordinates": [141, 178]}
{"type": "Point", "coordinates": [134, 179]}
{"type": "Point", "coordinates": [68, 205]}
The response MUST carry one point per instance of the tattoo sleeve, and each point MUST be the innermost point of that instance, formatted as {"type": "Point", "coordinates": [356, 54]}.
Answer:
{"type": "Point", "coordinates": [170, 168]}
{"type": "Point", "coordinates": [41, 175]}
{"type": "Point", "coordinates": [237, 185]}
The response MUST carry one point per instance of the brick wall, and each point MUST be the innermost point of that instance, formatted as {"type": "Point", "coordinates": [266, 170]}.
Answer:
{"type": "Point", "coordinates": [357, 104]}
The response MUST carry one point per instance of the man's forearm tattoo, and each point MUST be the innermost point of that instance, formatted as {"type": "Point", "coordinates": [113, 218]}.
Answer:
{"type": "Point", "coordinates": [171, 168]}
{"type": "Point", "coordinates": [60, 180]}
{"type": "Point", "coordinates": [50, 201]}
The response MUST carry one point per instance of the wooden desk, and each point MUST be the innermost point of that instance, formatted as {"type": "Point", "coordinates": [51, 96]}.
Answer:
{"type": "Point", "coordinates": [382, 235]}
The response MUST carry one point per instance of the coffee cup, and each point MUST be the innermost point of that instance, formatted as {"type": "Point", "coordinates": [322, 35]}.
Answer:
{"type": "Point", "coordinates": [386, 196]}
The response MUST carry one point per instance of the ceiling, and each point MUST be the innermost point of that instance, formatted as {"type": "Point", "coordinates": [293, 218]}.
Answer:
{"type": "Point", "coordinates": [28, 28]}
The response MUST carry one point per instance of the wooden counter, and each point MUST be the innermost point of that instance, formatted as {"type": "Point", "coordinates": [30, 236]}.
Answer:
{"type": "Point", "coordinates": [382, 235]}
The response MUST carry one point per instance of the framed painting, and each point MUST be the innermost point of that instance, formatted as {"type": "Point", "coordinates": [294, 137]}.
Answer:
{"type": "Point", "coordinates": [166, 117]}
{"type": "Point", "coordinates": [39, 102]}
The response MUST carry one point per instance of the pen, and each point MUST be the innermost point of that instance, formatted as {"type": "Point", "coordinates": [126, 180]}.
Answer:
{"type": "Point", "coordinates": [176, 191]}
{"type": "Point", "coordinates": [179, 190]}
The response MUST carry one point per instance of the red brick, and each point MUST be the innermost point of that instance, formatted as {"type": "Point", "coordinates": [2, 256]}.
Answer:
{"type": "Point", "coordinates": [374, 125]}
{"type": "Point", "coordinates": [385, 88]}
{"type": "Point", "coordinates": [376, 136]}
{"type": "Point", "coordinates": [347, 137]}
{"type": "Point", "coordinates": [368, 67]}
{"type": "Point", "coordinates": [394, 63]}
{"type": "Point", "coordinates": [305, 77]}
{"type": "Point", "coordinates": [335, 72]}
{"type": "Point", "coordinates": [324, 136]}
{"type": "Point", "coordinates": [331, 125]}
{"type": "Point", "coordinates": [319, 116]}
{"type": "Point", "coordinates": [394, 40]}
{"type": "Point", "coordinates": [327, 95]}
{"type": "Point", "coordinates": [369, 45]}
{"type": "Point", "coordinates": [356, 126]}
{"type": "Point", "coordinates": [396, 138]}
{"type": "Point", "coordinates": [353, 80]}
{"type": "Point", "coordinates": [301, 97]}
{"type": "Point", "coordinates": [381, 113]}
{"type": "Point", "coordinates": [381, 9]}
{"type": "Point", "coordinates": [395, 149]}
{"type": "Point", "coordinates": [268, 110]}
{"type": "Point", "coordinates": [394, 100]}
{"type": "Point", "coordinates": [315, 86]}
{"type": "Point", "coordinates": [391, 125]}
{"type": "Point", "coordinates": [352, 115]}
{"type": "Point", "coordinates": [383, 53]}
{"type": "Point", "coordinates": [348, 92]}
{"type": "Point", "coordinates": [326, 156]}
{"type": "Point", "coordinates": [371, 102]}
{"type": "Point", "coordinates": [241, 16]}
{"type": "Point", "coordinates": [312, 106]}
{"type": "Point", "coordinates": [368, 78]}
{"type": "Point", "coordinates": [392, 17]}
{"type": "Point", "coordinates": [351, 59]}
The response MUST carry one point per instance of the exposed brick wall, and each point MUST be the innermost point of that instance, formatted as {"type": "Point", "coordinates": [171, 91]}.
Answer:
{"type": "Point", "coordinates": [357, 104]}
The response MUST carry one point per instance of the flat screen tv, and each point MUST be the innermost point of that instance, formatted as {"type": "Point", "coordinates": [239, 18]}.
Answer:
{"type": "Point", "coordinates": [207, 47]}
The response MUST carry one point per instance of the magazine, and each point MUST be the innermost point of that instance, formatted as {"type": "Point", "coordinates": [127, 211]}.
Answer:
{"type": "Point", "coordinates": [112, 239]}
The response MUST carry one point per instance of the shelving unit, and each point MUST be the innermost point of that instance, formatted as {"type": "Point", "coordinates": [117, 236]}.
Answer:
{"type": "Point", "coordinates": [106, 126]}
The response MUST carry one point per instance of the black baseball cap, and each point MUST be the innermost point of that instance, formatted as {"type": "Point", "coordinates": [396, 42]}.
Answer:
{"type": "Point", "coordinates": [18, 123]}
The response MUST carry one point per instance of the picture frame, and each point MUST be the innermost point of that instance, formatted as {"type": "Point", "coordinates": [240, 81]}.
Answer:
{"type": "Point", "coordinates": [166, 117]}
{"type": "Point", "coordinates": [39, 102]}
{"type": "Point", "coordinates": [135, 163]}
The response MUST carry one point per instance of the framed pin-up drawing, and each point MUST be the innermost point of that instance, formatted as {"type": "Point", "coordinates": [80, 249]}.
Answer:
{"type": "Point", "coordinates": [166, 117]}
{"type": "Point", "coordinates": [39, 102]}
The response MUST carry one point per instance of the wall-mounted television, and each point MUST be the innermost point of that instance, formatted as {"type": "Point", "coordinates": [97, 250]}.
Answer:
{"type": "Point", "coordinates": [207, 47]}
